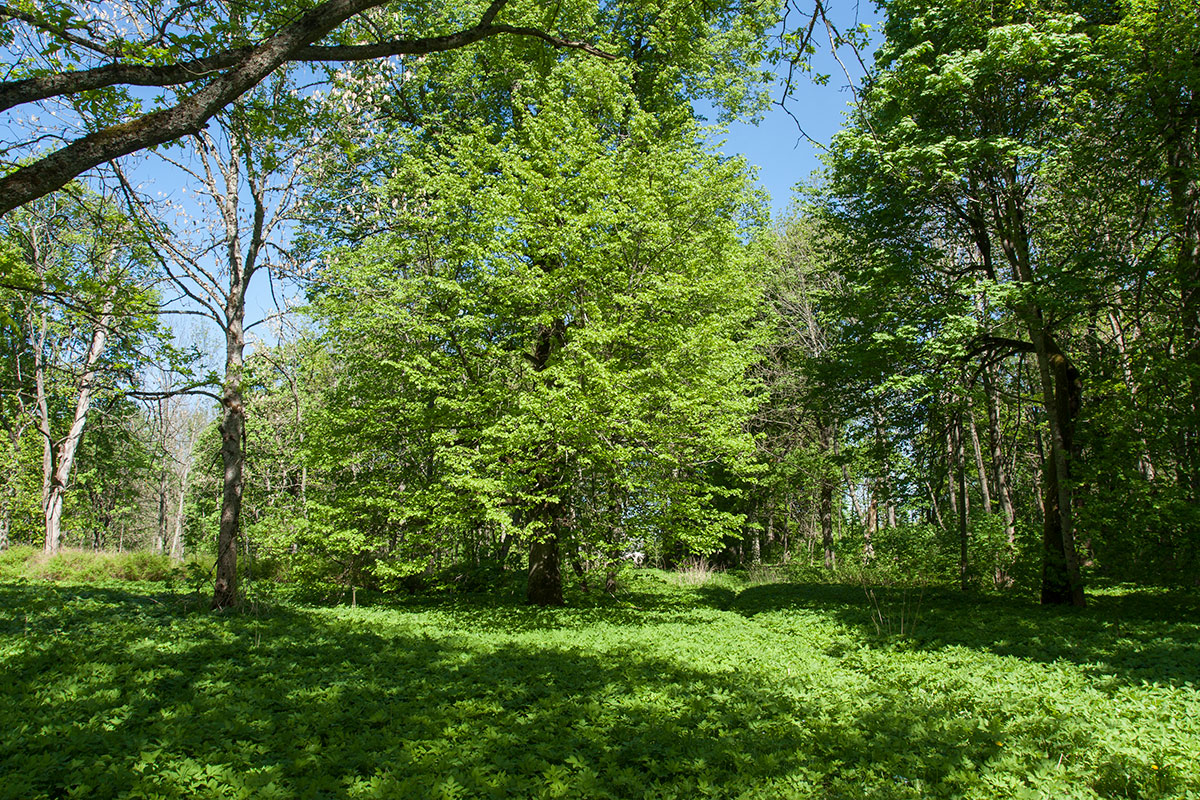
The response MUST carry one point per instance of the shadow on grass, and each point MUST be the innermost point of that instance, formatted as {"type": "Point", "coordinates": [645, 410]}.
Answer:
{"type": "Point", "coordinates": [1132, 636]}
{"type": "Point", "coordinates": [108, 693]}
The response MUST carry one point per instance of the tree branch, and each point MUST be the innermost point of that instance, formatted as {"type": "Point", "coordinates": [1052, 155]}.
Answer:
{"type": "Point", "coordinates": [59, 31]}
{"type": "Point", "coordinates": [189, 116]}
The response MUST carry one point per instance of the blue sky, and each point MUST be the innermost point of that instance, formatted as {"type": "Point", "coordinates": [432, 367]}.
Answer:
{"type": "Point", "coordinates": [776, 145]}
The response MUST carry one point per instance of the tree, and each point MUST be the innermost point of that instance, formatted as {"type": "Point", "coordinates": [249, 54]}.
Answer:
{"type": "Point", "coordinates": [246, 161]}
{"type": "Point", "coordinates": [798, 424]}
{"type": "Point", "coordinates": [546, 310]}
{"type": "Point", "coordinates": [88, 311]}
{"type": "Point", "coordinates": [963, 120]}
{"type": "Point", "coordinates": [210, 58]}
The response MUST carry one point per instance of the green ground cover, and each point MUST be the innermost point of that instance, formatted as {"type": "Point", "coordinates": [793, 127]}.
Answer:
{"type": "Point", "coordinates": [721, 689]}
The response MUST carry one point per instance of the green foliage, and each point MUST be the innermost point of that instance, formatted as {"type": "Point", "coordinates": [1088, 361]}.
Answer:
{"type": "Point", "coordinates": [14, 560]}
{"type": "Point", "coordinates": [547, 335]}
{"type": "Point", "coordinates": [1018, 185]}
{"type": "Point", "coordinates": [779, 690]}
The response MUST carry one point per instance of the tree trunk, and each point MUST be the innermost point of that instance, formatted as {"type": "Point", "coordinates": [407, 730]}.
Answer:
{"type": "Point", "coordinates": [933, 502]}
{"type": "Point", "coordinates": [545, 576]}
{"type": "Point", "coordinates": [1061, 579]}
{"type": "Point", "coordinates": [160, 540]}
{"type": "Point", "coordinates": [960, 468]}
{"type": "Point", "coordinates": [951, 494]}
{"type": "Point", "coordinates": [177, 537]}
{"type": "Point", "coordinates": [984, 488]}
{"type": "Point", "coordinates": [5, 517]}
{"type": "Point", "coordinates": [869, 530]}
{"type": "Point", "coordinates": [544, 587]}
{"type": "Point", "coordinates": [825, 437]}
{"type": "Point", "coordinates": [43, 415]}
{"type": "Point", "coordinates": [70, 445]}
{"type": "Point", "coordinates": [1002, 578]}
{"type": "Point", "coordinates": [1183, 150]}
{"type": "Point", "coordinates": [884, 485]}
{"type": "Point", "coordinates": [233, 432]}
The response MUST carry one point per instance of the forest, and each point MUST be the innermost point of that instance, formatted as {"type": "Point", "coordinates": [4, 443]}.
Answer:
{"type": "Point", "coordinates": [413, 400]}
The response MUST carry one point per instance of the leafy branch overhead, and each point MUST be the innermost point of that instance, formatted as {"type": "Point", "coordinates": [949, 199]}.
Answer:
{"type": "Point", "coordinates": [205, 84]}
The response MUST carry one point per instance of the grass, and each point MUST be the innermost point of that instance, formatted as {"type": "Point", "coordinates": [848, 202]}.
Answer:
{"type": "Point", "coordinates": [717, 689]}
{"type": "Point", "coordinates": [86, 566]}
{"type": "Point", "coordinates": [694, 572]}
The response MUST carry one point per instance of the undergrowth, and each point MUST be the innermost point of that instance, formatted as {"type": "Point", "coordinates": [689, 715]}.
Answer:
{"type": "Point", "coordinates": [718, 689]}
{"type": "Point", "coordinates": [87, 566]}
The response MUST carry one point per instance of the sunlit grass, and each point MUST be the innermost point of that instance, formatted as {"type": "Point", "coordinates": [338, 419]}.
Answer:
{"type": "Point", "coordinates": [86, 566]}
{"type": "Point", "coordinates": [693, 572]}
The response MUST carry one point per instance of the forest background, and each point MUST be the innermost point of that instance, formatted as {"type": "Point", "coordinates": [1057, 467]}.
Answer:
{"type": "Point", "coordinates": [547, 329]}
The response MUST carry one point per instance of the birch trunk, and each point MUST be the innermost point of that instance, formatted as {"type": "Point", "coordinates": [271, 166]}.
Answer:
{"type": "Point", "coordinates": [61, 475]}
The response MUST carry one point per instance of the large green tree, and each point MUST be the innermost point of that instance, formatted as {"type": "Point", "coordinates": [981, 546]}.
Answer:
{"type": "Point", "coordinates": [557, 313]}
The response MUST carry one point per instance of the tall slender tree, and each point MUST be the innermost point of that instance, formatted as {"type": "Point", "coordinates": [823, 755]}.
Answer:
{"type": "Point", "coordinates": [246, 174]}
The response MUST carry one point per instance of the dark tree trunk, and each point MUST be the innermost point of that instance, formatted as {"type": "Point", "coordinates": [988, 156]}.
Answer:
{"type": "Point", "coordinates": [826, 434]}
{"type": "Point", "coordinates": [960, 468]}
{"type": "Point", "coordinates": [1061, 580]}
{"type": "Point", "coordinates": [1056, 585]}
{"type": "Point", "coordinates": [545, 576]}
{"type": "Point", "coordinates": [1002, 577]}
{"type": "Point", "coordinates": [233, 432]}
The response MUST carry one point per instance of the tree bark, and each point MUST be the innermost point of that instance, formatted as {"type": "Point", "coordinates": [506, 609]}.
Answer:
{"type": "Point", "coordinates": [545, 574]}
{"type": "Point", "coordinates": [1061, 392]}
{"type": "Point", "coordinates": [43, 416]}
{"type": "Point", "coordinates": [984, 488]}
{"type": "Point", "coordinates": [952, 495]}
{"type": "Point", "coordinates": [6, 504]}
{"type": "Point", "coordinates": [884, 484]}
{"type": "Point", "coordinates": [827, 523]}
{"type": "Point", "coordinates": [1061, 579]}
{"type": "Point", "coordinates": [160, 540]}
{"type": "Point", "coordinates": [825, 438]}
{"type": "Point", "coordinates": [1183, 149]}
{"type": "Point", "coordinates": [995, 439]}
{"type": "Point", "coordinates": [69, 446]}
{"type": "Point", "coordinates": [176, 549]}
{"type": "Point", "coordinates": [544, 585]}
{"type": "Point", "coordinates": [933, 502]}
{"type": "Point", "coordinates": [233, 409]}
{"type": "Point", "coordinates": [960, 469]}
{"type": "Point", "coordinates": [233, 432]}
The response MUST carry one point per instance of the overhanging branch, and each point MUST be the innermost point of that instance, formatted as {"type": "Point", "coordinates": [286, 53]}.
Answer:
{"type": "Point", "coordinates": [236, 72]}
